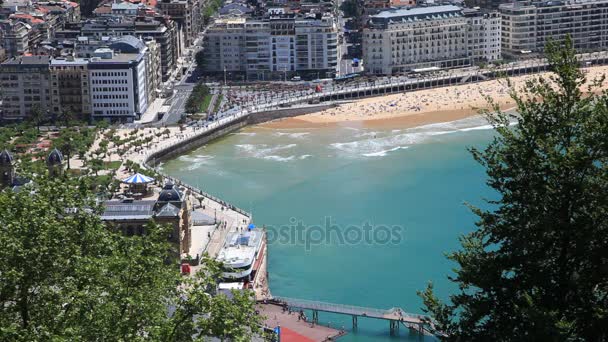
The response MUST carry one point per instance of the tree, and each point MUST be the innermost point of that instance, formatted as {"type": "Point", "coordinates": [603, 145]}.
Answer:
{"type": "Point", "coordinates": [37, 116]}
{"type": "Point", "coordinates": [66, 276]}
{"type": "Point", "coordinates": [66, 116]}
{"type": "Point", "coordinates": [351, 9]}
{"type": "Point", "coordinates": [200, 59]}
{"type": "Point", "coordinates": [536, 269]}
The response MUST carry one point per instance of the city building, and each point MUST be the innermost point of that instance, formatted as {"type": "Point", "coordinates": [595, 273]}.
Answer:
{"type": "Point", "coordinates": [187, 15]}
{"type": "Point", "coordinates": [14, 37]}
{"type": "Point", "coordinates": [276, 47]}
{"type": "Point", "coordinates": [172, 208]}
{"type": "Point", "coordinates": [401, 40]}
{"type": "Point", "coordinates": [526, 26]}
{"type": "Point", "coordinates": [484, 35]}
{"type": "Point", "coordinates": [160, 28]}
{"type": "Point", "coordinates": [70, 89]}
{"type": "Point", "coordinates": [118, 85]}
{"type": "Point", "coordinates": [24, 82]}
{"type": "Point", "coordinates": [486, 4]}
{"type": "Point", "coordinates": [153, 70]}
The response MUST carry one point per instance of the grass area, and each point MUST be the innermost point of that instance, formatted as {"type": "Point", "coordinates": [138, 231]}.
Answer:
{"type": "Point", "coordinates": [112, 165]}
{"type": "Point", "coordinates": [206, 102]}
{"type": "Point", "coordinates": [217, 104]}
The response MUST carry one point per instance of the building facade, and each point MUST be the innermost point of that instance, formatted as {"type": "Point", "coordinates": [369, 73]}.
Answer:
{"type": "Point", "coordinates": [118, 85]}
{"type": "Point", "coordinates": [400, 40]}
{"type": "Point", "coordinates": [187, 15]}
{"type": "Point", "coordinates": [160, 28]}
{"type": "Point", "coordinates": [273, 48]}
{"type": "Point", "coordinates": [484, 36]}
{"type": "Point", "coordinates": [70, 91]}
{"type": "Point", "coordinates": [15, 37]}
{"type": "Point", "coordinates": [526, 26]}
{"type": "Point", "coordinates": [25, 82]}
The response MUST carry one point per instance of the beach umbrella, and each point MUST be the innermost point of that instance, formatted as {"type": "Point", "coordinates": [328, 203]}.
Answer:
{"type": "Point", "coordinates": [138, 178]}
{"type": "Point", "coordinates": [251, 226]}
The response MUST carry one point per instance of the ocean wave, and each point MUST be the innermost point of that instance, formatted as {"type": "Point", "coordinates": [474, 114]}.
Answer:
{"type": "Point", "coordinates": [305, 156]}
{"type": "Point", "coordinates": [249, 134]}
{"type": "Point", "coordinates": [368, 134]}
{"type": "Point", "coordinates": [196, 159]}
{"type": "Point", "coordinates": [279, 158]}
{"type": "Point", "coordinates": [384, 152]}
{"type": "Point", "coordinates": [474, 123]}
{"type": "Point", "coordinates": [264, 151]}
{"type": "Point", "coordinates": [377, 147]}
{"type": "Point", "coordinates": [296, 135]}
{"type": "Point", "coordinates": [196, 162]}
{"type": "Point", "coordinates": [381, 144]}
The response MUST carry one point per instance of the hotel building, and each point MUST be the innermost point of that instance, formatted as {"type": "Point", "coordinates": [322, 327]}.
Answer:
{"type": "Point", "coordinates": [400, 40]}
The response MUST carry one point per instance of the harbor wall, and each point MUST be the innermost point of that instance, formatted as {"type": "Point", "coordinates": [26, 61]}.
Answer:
{"type": "Point", "coordinates": [199, 140]}
{"type": "Point", "coordinates": [195, 142]}
{"type": "Point", "coordinates": [270, 115]}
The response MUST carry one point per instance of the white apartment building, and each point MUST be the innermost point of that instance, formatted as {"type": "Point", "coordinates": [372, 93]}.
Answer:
{"type": "Point", "coordinates": [118, 85]}
{"type": "Point", "coordinates": [277, 47]}
{"type": "Point", "coordinates": [400, 40]}
{"type": "Point", "coordinates": [526, 26]}
{"type": "Point", "coordinates": [484, 36]}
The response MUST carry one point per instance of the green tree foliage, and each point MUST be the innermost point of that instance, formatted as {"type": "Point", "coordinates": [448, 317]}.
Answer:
{"type": "Point", "coordinates": [200, 59]}
{"type": "Point", "coordinates": [351, 8]}
{"type": "Point", "coordinates": [65, 276]}
{"type": "Point", "coordinates": [536, 269]}
{"type": "Point", "coordinates": [197, 97]}
{"type": "Point", "coordinates": [37, 117]}
{"type": "Point", "coordinates": [210, 8]}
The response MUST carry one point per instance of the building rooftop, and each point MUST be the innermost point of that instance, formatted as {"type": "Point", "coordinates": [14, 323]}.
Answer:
{"type": "Point", "coordinates": [168, 211]}
{"type": "Point", "coordinates": [70, 61]}
{"type": "Point", "coordinates": [28, 60]}
{"type": "Point", "coordinates": [116, 210]}
{"type": "Point", "coordinates": [419, 12]}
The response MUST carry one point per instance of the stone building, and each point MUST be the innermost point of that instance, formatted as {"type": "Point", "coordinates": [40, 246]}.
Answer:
{"type": "Point", "coordinates": [401, 40]}
{"type": "Point", "coordinates": [171, 208]}
{"type": "Point", "coordinates": [70, 86]}
{"type": "Point", "coordinates": [187, 15]}
{"type": "Point", "coordinates": [25, 82]}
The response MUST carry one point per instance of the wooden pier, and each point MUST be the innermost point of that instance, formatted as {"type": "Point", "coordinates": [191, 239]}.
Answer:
{"type": "Point", "coordinates": [395, 316]}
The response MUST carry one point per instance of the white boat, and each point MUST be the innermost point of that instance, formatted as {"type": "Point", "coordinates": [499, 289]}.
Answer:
{"type": "Point", "coordinates": [239, 254]}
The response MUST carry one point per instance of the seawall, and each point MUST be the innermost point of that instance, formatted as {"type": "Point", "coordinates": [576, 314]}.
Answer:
{"type": "Point", "coordinates": [199, 140]}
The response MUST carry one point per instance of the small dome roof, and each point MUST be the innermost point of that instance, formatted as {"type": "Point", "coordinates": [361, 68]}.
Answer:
{"type": "Point", "coordinates": [6, 158]}
{"type": "Point", "coordinates": [170, 194]}
{"type": "Point", "coordinates": [54, 158]}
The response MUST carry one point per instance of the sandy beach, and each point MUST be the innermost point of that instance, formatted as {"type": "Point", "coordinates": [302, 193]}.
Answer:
{"type": "Point", "coordinates": [420, 107]}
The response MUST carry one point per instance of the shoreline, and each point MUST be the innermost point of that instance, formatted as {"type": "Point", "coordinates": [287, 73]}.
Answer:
{"type": "Point", "coordinates": [421, 107]}
{"type": "Point", "coordinates": [404, 121]}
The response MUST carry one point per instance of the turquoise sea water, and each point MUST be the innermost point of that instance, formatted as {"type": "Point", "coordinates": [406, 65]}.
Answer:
{"type": "Point", "coordinates": [408, 184]}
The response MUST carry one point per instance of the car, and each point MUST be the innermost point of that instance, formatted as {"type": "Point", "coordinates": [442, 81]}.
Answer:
{"type": "Point", "coordinates": [296, 78]}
